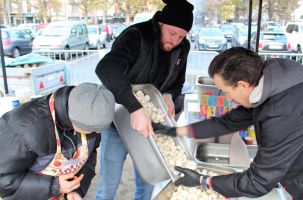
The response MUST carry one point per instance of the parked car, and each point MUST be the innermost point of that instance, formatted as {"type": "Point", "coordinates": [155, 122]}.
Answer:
{"type": "Point", "coordinates": [32, 28]}
{"type": "Point", "coordinates": [294, 34]}
{"type": "Point", "coordinates": [271, 42]}
{"type": "Point", "coordinates": [96, 36]}
{"type": "Point", "coordinates": [63, 35]}
{"type": "Point", "coordinates": [39, 32]}
{"type": "Point", "coordinates": [210, 39]}
{"type": "Point", "coordinates": [271, 26]}
{"type": "Point", "coordinates": [118, 29]}
{"type": "Point", "coordinates": [239, 38]}
{"type": "Point", "coordinates": [16, 42]}
{"type": "Point", "coordinates": [194, 33]}
{"type": "Point", "coordinates": [228, 30]}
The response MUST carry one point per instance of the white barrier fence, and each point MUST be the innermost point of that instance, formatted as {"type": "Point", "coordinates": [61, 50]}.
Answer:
{"type": "Point", "coordinates": [197, 64]}
{"type": "Point", "coordinates": [81, 64]}
{"type": "Point", "coordinates": [293, 56]}
{"type": "Point", "coordinates": [83, 70]}
{"type": "Point", "coordinates": [66, 55]}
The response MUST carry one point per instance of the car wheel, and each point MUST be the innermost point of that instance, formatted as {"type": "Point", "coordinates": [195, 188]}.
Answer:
{"type": "Point", "coordinates": [86, 48]}
{"type": "Point", "coordinates": [98, 46]}
{"type": "Point", "coordinates": [67, 55]}
{"type": "Point", "coordinates": [16, 52]}
{"type": "Point", "coordinates": [196, 47]}
{"type": "Point", "coordinates": [299, 58]}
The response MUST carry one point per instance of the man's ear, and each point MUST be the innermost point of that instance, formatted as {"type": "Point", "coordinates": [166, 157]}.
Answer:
{"type": "Point", "coordinates": [243, 84]}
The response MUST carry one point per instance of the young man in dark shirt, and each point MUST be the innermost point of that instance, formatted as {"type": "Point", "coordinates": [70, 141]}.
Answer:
{"type": "Point", "coordinates": [153, 52]}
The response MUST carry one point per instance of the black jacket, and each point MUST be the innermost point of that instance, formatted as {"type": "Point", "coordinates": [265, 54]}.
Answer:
{"type": "Point", "coordinates": [134, 59]}
{"type": "Point", "coordinates": [26, 134]}
{"type": "Point", "coordinates": [278, 122]}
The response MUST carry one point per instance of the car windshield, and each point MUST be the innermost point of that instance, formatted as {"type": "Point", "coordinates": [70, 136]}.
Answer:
{"type": "Point", "coordinates": [272, 24]}
{"type": "Point", "coordinates": [274, 36]}
{"type": "Point", "coordinates": [55, 31]}
{"type": "Point", "coordinates": [210, 32]}
{"type": "Point", "coordinates": [121, 27]}
{"type": "Point", "coordinates": [92, 30]}
{"type": "Point", "coordinates": [227, 28]}
{"type": "Point", "coordinates": [243, 32]}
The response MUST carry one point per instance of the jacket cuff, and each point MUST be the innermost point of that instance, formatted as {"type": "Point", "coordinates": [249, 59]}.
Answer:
{"type": "Point", "coordinates": [128, 100]}
{"type": "Point", "coordinates": [55, 187]}
{"type": "Point", "coordinates": [191, 132]}
{"type": "Point", "coordinates": [133, 107]}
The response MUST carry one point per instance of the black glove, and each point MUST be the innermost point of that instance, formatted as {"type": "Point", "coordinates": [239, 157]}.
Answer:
{"type": "Point", "coordinates": [191, 178]}
{"type": "Point", "coordinates": [164, 130]}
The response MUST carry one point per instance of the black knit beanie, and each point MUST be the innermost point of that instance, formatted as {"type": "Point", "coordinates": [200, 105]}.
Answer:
{"type": "Point", "coordinates": [177, 13]}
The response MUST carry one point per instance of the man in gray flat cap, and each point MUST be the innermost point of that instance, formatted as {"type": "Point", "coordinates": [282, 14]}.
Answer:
{"type": "Point", "coordinates": [48, 145]}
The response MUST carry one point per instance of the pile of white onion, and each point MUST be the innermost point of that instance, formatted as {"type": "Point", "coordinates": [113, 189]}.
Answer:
{"type": "Point", "coordinates": [174, 155]}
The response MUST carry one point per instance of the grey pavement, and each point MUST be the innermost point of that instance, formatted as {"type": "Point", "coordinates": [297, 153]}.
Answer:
{"type": "Point", "coordinates": [126, 187]}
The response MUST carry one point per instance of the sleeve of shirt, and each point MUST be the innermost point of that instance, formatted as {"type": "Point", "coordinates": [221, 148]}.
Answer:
{"type": "Point", "coordinates": [113, 65]}
{"type": "Point", "coordinates": [281, 145]}
{"type": "Point", "coordinates": [235, 120]}
{"type": "Point", "coordinates": [16, 181]}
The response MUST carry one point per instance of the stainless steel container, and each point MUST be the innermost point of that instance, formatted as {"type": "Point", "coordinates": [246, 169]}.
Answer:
{"type": "Point", "coordinates": [144, 151]}
{"type": "Point", "coordinates": [216, 153]}
{"type": "Point", "coordinates": [205, 84]}
{"type": "Point", "coordinates": [170, 188]}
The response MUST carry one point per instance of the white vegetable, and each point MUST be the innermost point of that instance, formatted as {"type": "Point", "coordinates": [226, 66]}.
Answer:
{"type": "Point", "coordinates": [174, 155]}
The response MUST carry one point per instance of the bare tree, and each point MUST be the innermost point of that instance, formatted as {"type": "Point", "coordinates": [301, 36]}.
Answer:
{"type": "Point", "coordinates": [279, 9]}
{"type": "Point", "coordinates": [88, 6]}
{"type": "Point", "coordinates": [212, 10]}
{"type": "Point", "coordinates": [45, 8]}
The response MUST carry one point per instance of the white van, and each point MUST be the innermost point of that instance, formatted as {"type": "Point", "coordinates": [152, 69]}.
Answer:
{"type": "Point", "coordinates": [63, 35]}
{"type": "Point", "coordinates": [142, 17]}
{"type": "Point", "coordinates": [294, 34]}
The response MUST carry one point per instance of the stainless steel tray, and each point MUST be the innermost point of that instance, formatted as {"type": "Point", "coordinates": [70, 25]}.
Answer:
{"type": "Point", "coordinates": [144, 151]}
{"type": "Point", "coordinates": [170, 188]}
{"type": "Point", "coordinates": [206, 84]}
{"type": "Point", "coordinates": [215, 153]}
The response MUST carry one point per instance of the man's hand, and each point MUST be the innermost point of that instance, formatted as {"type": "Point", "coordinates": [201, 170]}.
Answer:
{"type": "Point", "coordinates": [141, 122]}
{"type": "Point", "coordinates": [73, 196]}
{"type": "Point", "coordinates": [170, 104]}
{"type": "Point", "coordinates": [69, 182]}
{"type": "Point", "coordinates": [164, 130]}
{"type": "Point", "coordinates": [191, 178]}
{"type": "Point", "coordinates": [171, 131]}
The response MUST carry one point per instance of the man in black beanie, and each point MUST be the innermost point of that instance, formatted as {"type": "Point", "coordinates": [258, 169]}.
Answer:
{"type": "Point", "coordinates": [152, 52]}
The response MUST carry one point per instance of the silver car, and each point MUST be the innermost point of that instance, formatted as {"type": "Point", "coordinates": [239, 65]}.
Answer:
{"type": "Point", "coordinates": [63, 35]}
{"type": "Point", "coordinates": [270, 41]}
{"type": "Point", "coordinates": [97, 37]}
{"type": "Point", "coordinates": [210, 39]}
{"type": "Point", "coordinates": [16, 42]}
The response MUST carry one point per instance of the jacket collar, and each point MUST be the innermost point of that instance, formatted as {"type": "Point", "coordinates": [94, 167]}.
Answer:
{"type": "Point", "coordinates": [61, 108]}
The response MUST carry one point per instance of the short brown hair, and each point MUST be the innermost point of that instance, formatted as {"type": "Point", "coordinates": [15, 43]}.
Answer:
{"type": "Point", "coordinates": [237, 64]}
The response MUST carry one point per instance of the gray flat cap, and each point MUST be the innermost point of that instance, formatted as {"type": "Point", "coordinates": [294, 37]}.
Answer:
{"type": "Point", "coordinates": [91, 107]}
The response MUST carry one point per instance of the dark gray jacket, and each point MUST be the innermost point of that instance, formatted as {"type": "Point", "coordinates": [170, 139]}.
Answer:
{"type": "Point", "coordinates": [26, 137]}
{"type": "Point", "coordinates": [278, 122]}
{"type": "Point", "coordinates": [134, 59]}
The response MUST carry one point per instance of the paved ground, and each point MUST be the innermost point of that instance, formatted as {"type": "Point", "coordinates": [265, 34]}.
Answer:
{"type": "Point", "coordinates": [126, 187]}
